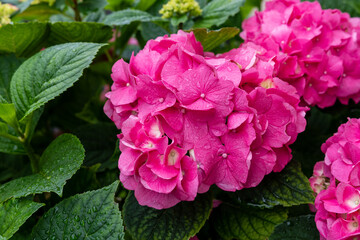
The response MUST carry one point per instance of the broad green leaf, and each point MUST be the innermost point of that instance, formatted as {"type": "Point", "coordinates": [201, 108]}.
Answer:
{"type": "Point", "coordinates": [144, 4]}
{"type": "Point", "coordinates": [175, 21]}
{"type": "Point", "coordinates": [2, 99]}
{"type": "Point", "coordinates": [217, 12]}
{"type": "Point", "coordinates": [3, 127]}
{"type": "Point", "coordinates": [151, 30]}
{"type": "Point", "coordinates": [98, 16]}
{"type": "Point", "coordinates": [8, 114]}
{"type": "Point", "coordinates": [127, 16]}
{"type": "Point", "coordinates": [8, 65]}
{"type": "Point", "coordinates": [60, 18]}
{"type": "Point", "coordinates": [246, 223]}
{"type": "Point", "coordinates": [63, 32]}
{"type": "Point", "coordinates": [213, 38]}
{"type": "Point", "coordinates": [287, 188]}
{"type": "Point", "coordinates": [14, 213]}
{"type": "Point", "coordinates": [48, 74]}
{"type": "Point", "coordinates": [23, 39]}
{"type": "Point", "coordinates": [91, 5]}
{"type": "Point", "coordinates": [60, 160]}
{"type": "Point", "coordinates": [299, 228]}
{"type": "Point", "coordinates": [91, 215]}
{"type": "Point", "coordinates": [39, 12]}
{"type": "Point", "coordinates": [182, 221]}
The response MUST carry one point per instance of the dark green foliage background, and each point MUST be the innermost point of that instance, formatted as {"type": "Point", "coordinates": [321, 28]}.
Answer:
{"type": "Point", "coordinates": [59, 152]}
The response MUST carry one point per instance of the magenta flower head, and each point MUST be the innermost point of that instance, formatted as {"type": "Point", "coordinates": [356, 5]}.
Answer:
{"type": "Point", "coordinates": [190, 120]}
{"type": "Point", "coordinates": [315, 50]}
{"type": "Point", "coordinates": [336, 183]}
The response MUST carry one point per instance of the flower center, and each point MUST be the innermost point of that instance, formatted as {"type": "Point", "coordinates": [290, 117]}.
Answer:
{"type": "Point", "coordinates": [172, 157]}
{"type": "Point", "coordinates": [202, 95]}
{"type": "Point", "coordinates": [224, 155]}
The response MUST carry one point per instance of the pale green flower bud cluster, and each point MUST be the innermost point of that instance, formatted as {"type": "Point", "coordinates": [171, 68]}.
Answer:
{"type": "Point", "coordinates": [175, 8]}
{"type": "Point", "coordinates": [50, 2]}
{"type": "Point", "coordinates": [5, 12]}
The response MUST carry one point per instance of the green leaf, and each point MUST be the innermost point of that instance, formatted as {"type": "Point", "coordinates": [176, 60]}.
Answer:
{"type": "Point", "coordinates": [61, 159]}
{"type": "Point", "coordinates": [91, 5]}
{"type": "Point", "coordinates": [39, 12]}
{"type": "Point", "coordinates": [246, 223]}
{"type": "Point", "coordinates": [48, 74]}
{"type": "Point", "coordinates": [127, 16]}
{"type": "Point", "coordinates": [217, 12]}
{"type": "Point", "coordinates": [91, 215]}
{"type": "Point", "coordinates": [3, 128]}
{"type": "Point", "coordinates": [175, 21]}
{"type": "Point", "coordinates": [14, 213]}
{"type": "Point", "coordinates": [213, 38]}
{"type": "Point", "coordinates": [290, 229]}
{"type": "Point", "coordinates": [63, 32]}
{"type": "Point", "coordinates": [8, 65]}
{"type": "Point", "coordinates": [144, 4]}
{"type": "Point", "coordinates": [60, 18]}
{"type": "Point", "coordinates": [151, 30]}
{"type": "Point", "coordinates": [8, 114]}
{"type": "Point", "coordinates": [287, 188]}
{"type": "Point", "coordinates": [23, 39]}
{"type": "Point", "coordinates": [182, 221]}
{"type": "Point", "coordinates": [98, 16]}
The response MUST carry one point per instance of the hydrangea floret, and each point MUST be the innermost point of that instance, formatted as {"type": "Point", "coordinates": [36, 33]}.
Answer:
{"type": "Point", "coordinates": [176, 8]}
{"type": "Point", "coordinates": [336, 182]}
{"type": "Point", "coordinates": [6, 10]}
{"type": "Point", "coordinates": [315, 50]}
{"type": "Point", "coordinates": [191, 119]}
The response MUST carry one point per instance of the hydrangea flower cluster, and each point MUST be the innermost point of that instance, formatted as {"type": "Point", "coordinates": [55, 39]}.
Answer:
{"type": "Point", "coordinates": [191, 119]}
{"type": "Point", "coordinates": [336, 181]}
{"type": "Point", "coordinates": [316, 50]}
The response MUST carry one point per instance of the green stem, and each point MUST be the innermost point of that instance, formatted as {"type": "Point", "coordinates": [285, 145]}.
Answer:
{"type": "Point", "coordinates": [76, 10]}
{"type": "Point", "coordinates": [108, 56]}
{"type": "Point", "coordinates": [34, 159]}
{"type": "Point", "coordinates": [11, 137]}
{"type": "Point", "coordinates": [28, 127]}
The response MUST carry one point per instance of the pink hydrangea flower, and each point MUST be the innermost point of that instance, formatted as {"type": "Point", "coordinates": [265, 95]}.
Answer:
{"type": "Point", "coordinates": [190, 120]}
{"type": "Point", "coordinates": [342, 152]}
{"type": "Point", "coordinates": [337, 215]}
{"type": "Point", "coordinates": [336, 183]}
{"type": "Point", "coordinates": [315, 50]}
